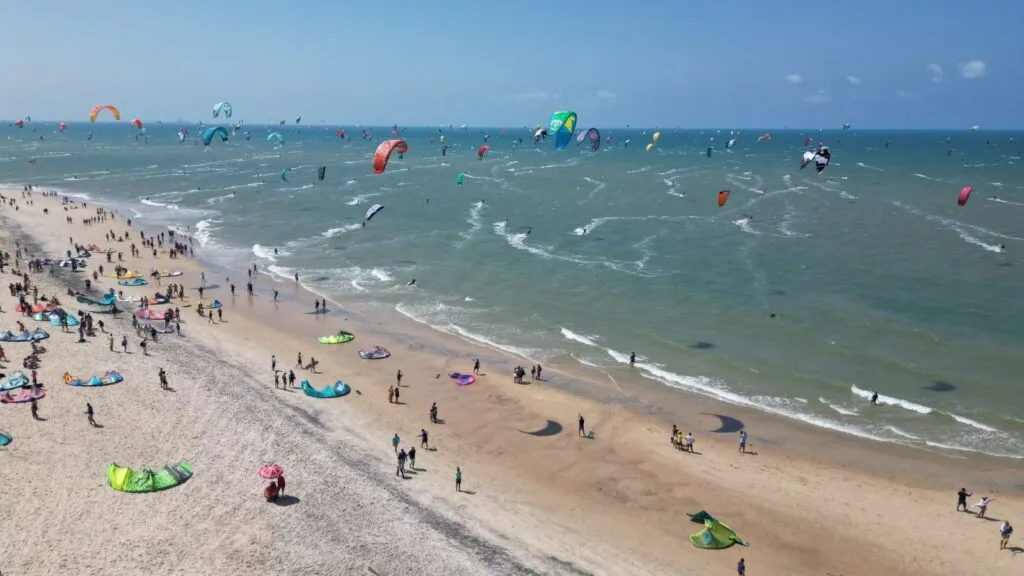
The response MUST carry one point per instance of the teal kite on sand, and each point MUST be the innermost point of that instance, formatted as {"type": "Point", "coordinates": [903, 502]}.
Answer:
{"type": "Point", "coordinates": [5, 439]}
{"type": "Point", "coordinates": [715, 535]}
{"type": "Point", "coordinates": [336, 390]}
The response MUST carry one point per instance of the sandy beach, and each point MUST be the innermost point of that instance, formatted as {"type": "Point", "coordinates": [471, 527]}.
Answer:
{"type": "Point", "coordinates": [809, 501]}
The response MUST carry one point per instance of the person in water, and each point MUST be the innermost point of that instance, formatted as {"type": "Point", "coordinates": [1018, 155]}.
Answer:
{"type": "Point", "coordinates": [874, 397]}
{"type": "Point", "coordinates": [632, 358]}
{"type": "Point", "coordinates": [412, 282]}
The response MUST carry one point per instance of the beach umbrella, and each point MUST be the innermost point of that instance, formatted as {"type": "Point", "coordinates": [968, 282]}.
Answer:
{"type": "Point", "coordinates": [270, 471]}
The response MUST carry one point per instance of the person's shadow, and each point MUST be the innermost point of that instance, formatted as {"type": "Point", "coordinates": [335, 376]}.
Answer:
{"type": "Point", "coordinates": [287, 500]}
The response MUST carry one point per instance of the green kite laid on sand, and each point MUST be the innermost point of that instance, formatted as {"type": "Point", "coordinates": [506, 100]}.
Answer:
{"type": "Point", "coordinates": [715, 535]}
{"type": "Point", "coordinates": [145, 480]}
{"type": "Point", "coordinates": [340, 338]}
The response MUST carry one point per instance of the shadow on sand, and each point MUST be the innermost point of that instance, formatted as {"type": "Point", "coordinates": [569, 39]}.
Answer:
{"type": "Point", "coordinates": [553, 428]}
{"type": "Point", "coordinates": [727, 424]}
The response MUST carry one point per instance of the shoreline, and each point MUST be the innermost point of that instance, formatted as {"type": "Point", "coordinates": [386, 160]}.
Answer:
{"type": "Point", "coordinates": [989, 456]}
{"type": "Point", "coordinates": [559, 483]}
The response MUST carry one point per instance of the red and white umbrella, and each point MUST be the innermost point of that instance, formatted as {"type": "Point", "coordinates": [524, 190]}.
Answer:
{"type": "Point", "coordinates": [270, 471]}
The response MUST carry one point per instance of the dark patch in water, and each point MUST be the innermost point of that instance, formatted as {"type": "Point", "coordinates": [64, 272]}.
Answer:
{"type": "Point", "coordinates": [778, 292]}
{"type": "Point", "coordinates": [702, 345]}
{"type": "Point", "coordinates": [940, 386]}
{"type": "Point", "coordinates": [728, 424]}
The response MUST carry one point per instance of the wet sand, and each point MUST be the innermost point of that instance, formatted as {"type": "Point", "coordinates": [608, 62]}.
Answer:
{"type": "Point", "coordinates": [548, 503]}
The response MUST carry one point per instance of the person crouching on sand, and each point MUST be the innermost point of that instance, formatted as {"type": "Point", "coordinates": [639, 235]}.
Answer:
{"type": "Point", "coordinates": [271, 492]}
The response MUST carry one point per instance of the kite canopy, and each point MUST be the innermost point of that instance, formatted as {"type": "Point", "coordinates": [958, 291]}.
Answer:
{"type": "Point", "coordinates": [383, 153]}
{"type": "Point", "coordinates": [481, 151]}
{"type": "Point", "coordinates": [211, 132]}
{"type": "Point", "coordinates": [965, 194]}
{"type": "Point", "coordinates": [276, 136]}
{"type": "Point", "coordinates": [723, 197]}
{"type": "Point", "coordinates": [336, 390]}
{"type": "Point", "coordinates": [372, 211]}
{"type": "Point", "coordinates": [97, 109]}
{"type": "Point", "coordinates": [270, 471]}
{"type": "Point", "coordinates": [127, 480]}
{"type": "Point", "coordinates": [562, 125]}
{"type": "Point", "coordinates": [224, 107]}
{"type": "Point", "coordinates": [715, 535]}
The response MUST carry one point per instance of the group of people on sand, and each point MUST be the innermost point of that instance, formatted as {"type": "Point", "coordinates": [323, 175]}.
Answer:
{"type": "Point", "coordinates": [519, 373]}
{"type": "Point", "coordinates": [1005, 529]}
{"type": "Point", "coordinates": [685, 442]}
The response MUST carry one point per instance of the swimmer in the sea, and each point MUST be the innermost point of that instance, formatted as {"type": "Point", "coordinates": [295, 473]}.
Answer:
{"type": "Point", "coordinates": [412, 282]}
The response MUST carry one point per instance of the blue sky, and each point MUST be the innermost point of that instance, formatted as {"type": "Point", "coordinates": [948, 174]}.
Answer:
{"type": "Point", "coordinates": [737, 63]}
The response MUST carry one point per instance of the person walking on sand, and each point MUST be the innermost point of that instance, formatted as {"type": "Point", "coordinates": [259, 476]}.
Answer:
{"type": "Point", "coordinates": [298, 364]}
{"type": "Point", "coordinates": [1005, 531]}
{"type": "Point", "coordinates": [743, 441]}
{"type": "Point", "coordinates": [398, 377]}
{"type": "Point", "coordinates": [275, 296]}
{"type": "Point", "coordinates": [423, 439]}
{"type": "Point", "coordinates": [391, 394]}
{"type": "Point", "coordinates": [412, 457]}
{"type": "Point", "coordinates": [741, 567]}
{"type": "Point", "coordinates": [433, 413]}
{"type": "Point", "coordinates": [394, 442]}
{"type": "Point", "coordinates": [89, 413]}
{"type": "Point", "coordinates": [124, 344]}
{"type": "Point", "coordinates": [162, 375]}
{"type": "Point", "coordinates": [961, 499]}
{"type": "Point", "coordinates": [476, 366]}
{"type": "Point", "coordinates": [581, 432]}
{"type": "Point", "coordinates": [458, 479]}
{"type": "Point", "coordinates": [397, 392]}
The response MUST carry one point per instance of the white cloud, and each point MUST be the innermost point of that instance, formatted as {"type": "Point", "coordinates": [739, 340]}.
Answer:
{"type": "Point", "coordinates": [794, 78]}
{"type": "Point", "coordinates": [606, 94]}
{"type": "Point", "coordinates": [853, 80]}
{"type": "Point", "coordinates": [973, 69]}
{"type": "Point", "coordinates": [818, 97]}
{"type": "Point", "coordinates": [936, 72]}
{"type": "Point", "coordinates": [905, 95]}
{"type": "Point", "coordinates": [536, 95]}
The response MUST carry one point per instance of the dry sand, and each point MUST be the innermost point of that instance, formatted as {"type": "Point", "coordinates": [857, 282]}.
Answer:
{"type": "Point", "coordinates": [546, 505]}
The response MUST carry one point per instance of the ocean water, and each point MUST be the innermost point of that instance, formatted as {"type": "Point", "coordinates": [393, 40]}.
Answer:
{"type": "Point", "coordinates": [876, 278]}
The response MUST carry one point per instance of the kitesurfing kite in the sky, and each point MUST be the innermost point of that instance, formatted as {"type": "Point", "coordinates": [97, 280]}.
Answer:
{"type": "Point", "coordinates": [383, 154]}
{"type": "Point", "coordinates": [562, 125]}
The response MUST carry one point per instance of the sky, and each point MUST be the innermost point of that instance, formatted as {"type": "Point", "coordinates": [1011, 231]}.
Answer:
{"type": "Point", "coordinates": [922, 64]}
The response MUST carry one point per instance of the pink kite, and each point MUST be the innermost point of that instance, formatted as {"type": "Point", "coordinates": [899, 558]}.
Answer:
{"type": "Point", "coordinates": [965, 193]}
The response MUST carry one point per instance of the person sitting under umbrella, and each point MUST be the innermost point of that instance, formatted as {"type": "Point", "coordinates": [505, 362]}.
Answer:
{"type": "Point", "coordinates": [271, 492]}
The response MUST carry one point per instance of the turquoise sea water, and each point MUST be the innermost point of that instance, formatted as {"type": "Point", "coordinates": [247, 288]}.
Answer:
{"type": "Point", "coordinates": [877, 278]}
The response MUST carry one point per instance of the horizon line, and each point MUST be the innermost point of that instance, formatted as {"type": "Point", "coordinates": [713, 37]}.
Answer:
{"type": "Point", "coordinates": [525, 127]}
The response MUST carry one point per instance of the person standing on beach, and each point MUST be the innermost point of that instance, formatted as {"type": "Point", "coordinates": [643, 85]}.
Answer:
{"type": "Point", "coordinates": [580, 432]}
{"type": "Point", "coordinates": [398, 377]}
{"type": "Point", "coordinates": [35, 410]}
{"type": "Point", "coordinates": [412, 457]}
{"type": "Point", "coordinates": [291, 378]}
{"type": "Point", "coordinates": [741, 567]}
{"type": "Point", "coordinates": [458, 479]}
{"type": "Point", "coordinates": [110, 341]}
{"type": "Point", "coordinates": [1005, 531]}
{"type": "Point", "coordinates": [961, 499]}
{"type": "Point", "coordinates": [394, 442]}
{"type": "Point", "coordinates": [89, 413]}
{"type": "Point", "coordinates": [423, 439]}
{"type": "Point", "coordinates": [277, 380]}
{"type": "Point", "coordinates": [743, 441]}
{"type": "Point", "coordinates": [397, 391]}
{"type": "Point", "coordinates": [298, 363]}
{"type": "Point", "coordinates": [391, 394]}
{"type": "Point", "coordinates": [433, 413]}
{"type": "Point", "coordinates": [401, 464]}
{"type": "Point", "coordinates": [162, 375]}
{"type": "Point", "coordinates": [275, 296]}
{"type": "Point", "coordinates": [124, 344]}
{"type": "Point", "coordinates": [476, 366]}
{"type": "Point", "coordinates": [273, 362]}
